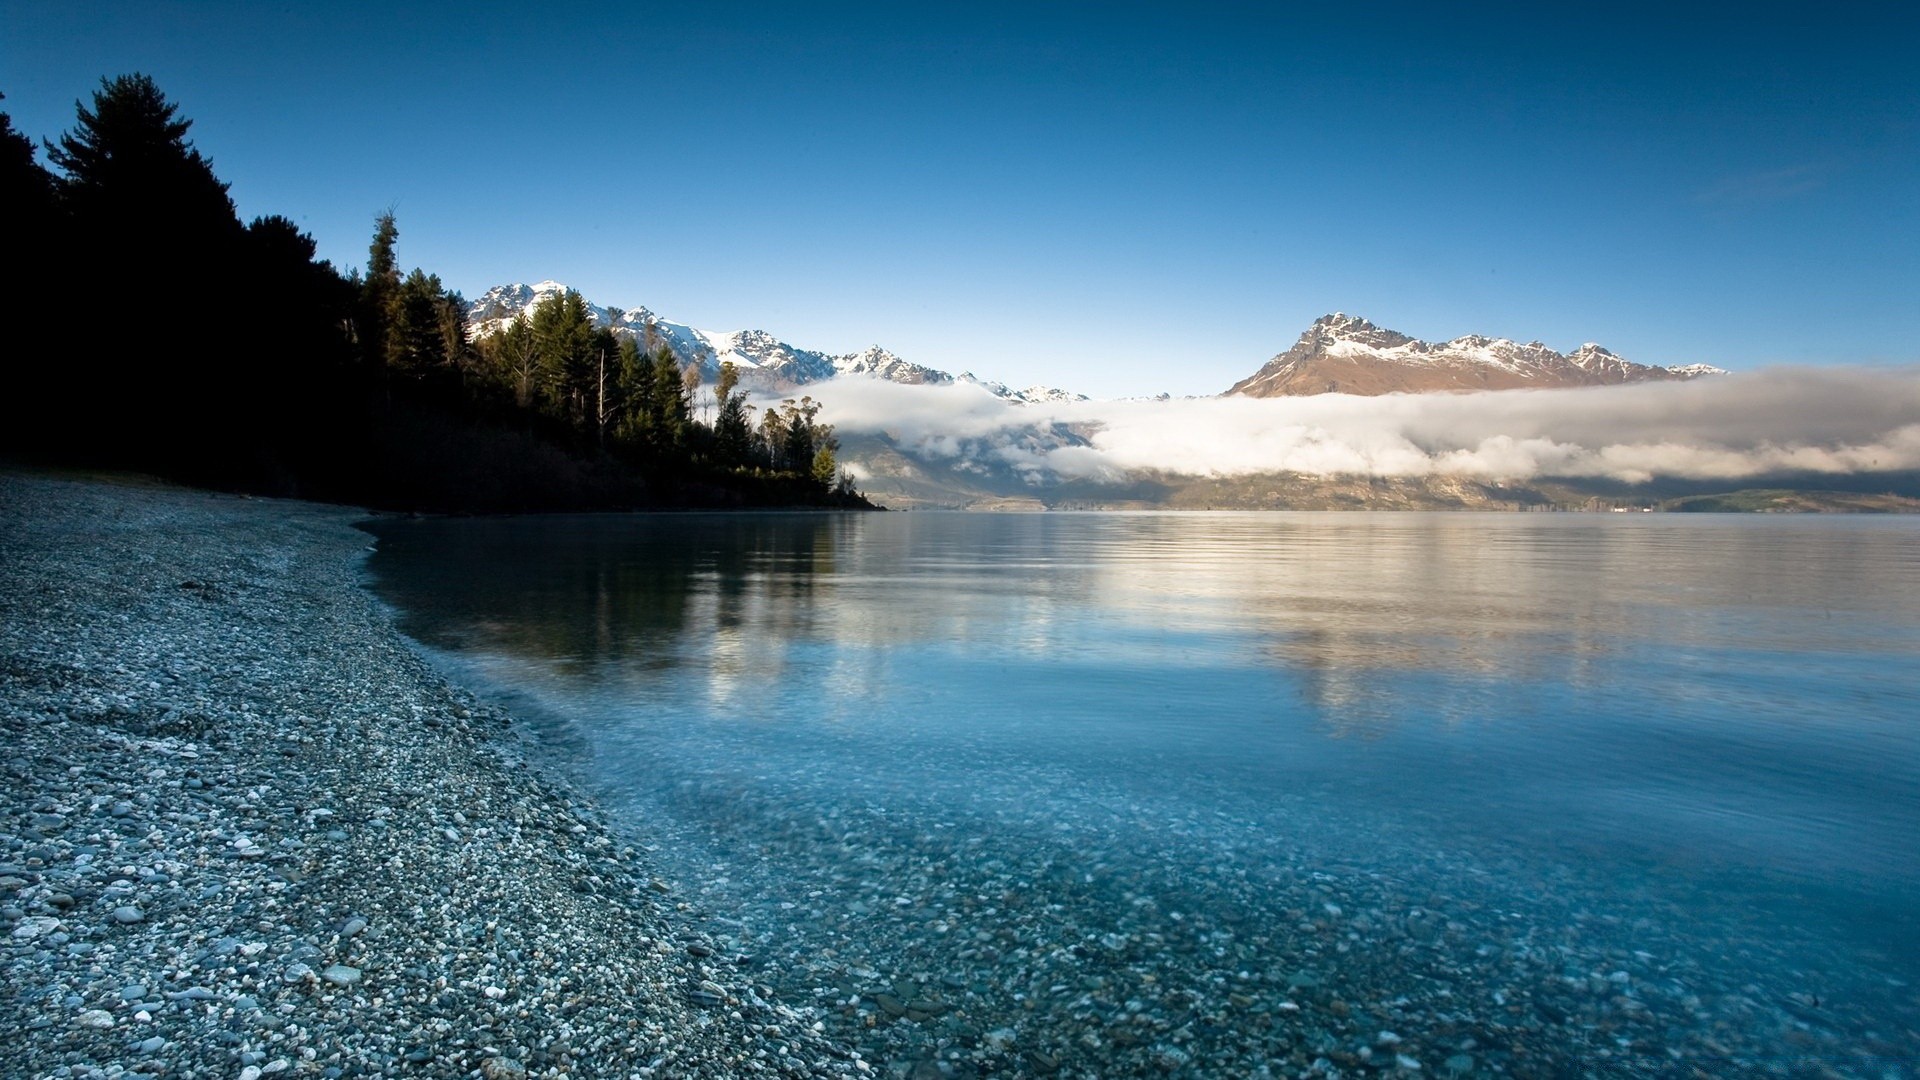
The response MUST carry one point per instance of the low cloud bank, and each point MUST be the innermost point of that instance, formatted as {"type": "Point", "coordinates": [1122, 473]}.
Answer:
{"type": "Point", "coordinates": [1723, 428]}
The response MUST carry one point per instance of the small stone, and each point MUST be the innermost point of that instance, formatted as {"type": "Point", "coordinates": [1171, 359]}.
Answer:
{"type": "Point", "coordinates": [251, 1072]}
{"type": "Point", "coordinates": [341, 974]}
{"type": "Point", "coordinates": [353, 926]}
{"type": "Point", "coordinates": [94, 1019]}
{"type": "Point", "coordinates": [35, 925]}
{"type": "Point", "coordinates": [153, 1045]}
{"type": "Point", "coordinates": [127, 914]}
{"type": "Point", "coordinates": [921, 1009]}
{"type": "Point", "coordinates": [1171, 1057]}
{"type": "Point", "coordinates": [502, 1068]}
{"type": "Point", "coordinates": [133, 992]}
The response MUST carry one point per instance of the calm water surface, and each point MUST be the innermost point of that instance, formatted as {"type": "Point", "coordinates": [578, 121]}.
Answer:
{"type": "Point", "coordinates": [1225, 795]}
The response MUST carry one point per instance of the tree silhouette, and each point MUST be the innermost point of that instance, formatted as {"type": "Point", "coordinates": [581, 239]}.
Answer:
{"type": "Point", "coordinates": [131, 177]}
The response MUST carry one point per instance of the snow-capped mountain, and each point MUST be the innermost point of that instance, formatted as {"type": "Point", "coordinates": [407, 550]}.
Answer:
{"type": "Point", "coordinates": [764, 362]}
{"type": "Point", "coordinates": [1342, 354]}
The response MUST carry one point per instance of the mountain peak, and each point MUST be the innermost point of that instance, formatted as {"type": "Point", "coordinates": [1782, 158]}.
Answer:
{"type": "Point", "coordinates": [1345, 354]}
{"type": "Point", "coordinates": [1340, 329]}
{"type": "Point", "coordinates": [1340, 322]}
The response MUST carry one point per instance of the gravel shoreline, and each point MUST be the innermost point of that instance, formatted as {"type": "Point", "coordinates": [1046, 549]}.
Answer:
{"type": "Point", "coordinates": [251, 832]}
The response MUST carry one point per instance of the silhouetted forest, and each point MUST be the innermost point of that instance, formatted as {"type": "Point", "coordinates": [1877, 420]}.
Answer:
{"type": "Point", "coordinates": [155, 331]}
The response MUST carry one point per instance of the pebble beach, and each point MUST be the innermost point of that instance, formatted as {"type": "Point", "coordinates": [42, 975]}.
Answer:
{"type": "Point", "coordinates": [250, 832]}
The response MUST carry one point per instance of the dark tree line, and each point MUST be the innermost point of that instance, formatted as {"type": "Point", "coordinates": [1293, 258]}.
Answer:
{"type": "Point", "coordinates": [162, 334]}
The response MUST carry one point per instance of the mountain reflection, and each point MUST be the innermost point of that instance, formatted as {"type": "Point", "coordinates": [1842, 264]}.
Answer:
{"type": "Point", "coordinates": [1349, 607]}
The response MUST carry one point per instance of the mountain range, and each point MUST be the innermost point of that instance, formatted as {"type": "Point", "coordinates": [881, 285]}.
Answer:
{"type": "Point", "coordinates": [1338, 354]}
{"type": "Point", "coordinates": [1314, 444]}
{"type": "Point", "coordinates": [765, 363]}
{"type": "Point", "coordinates": [1342, 354]}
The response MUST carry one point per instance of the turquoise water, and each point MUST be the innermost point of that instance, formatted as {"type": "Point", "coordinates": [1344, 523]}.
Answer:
{"type": "Point", "coordinates": [1244, 794]}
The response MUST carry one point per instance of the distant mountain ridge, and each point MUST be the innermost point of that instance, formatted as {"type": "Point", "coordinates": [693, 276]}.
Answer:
{"type": "Point", "coordinates": [1338, 354]}
{"type": "Point", "coordinates": [1344, 354]}
{"type": "Point", "coordinates": [764, 362]}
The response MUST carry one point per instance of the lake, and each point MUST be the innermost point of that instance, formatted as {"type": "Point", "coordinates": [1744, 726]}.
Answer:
{"type": "Point", "coordinates": [1245, 794]}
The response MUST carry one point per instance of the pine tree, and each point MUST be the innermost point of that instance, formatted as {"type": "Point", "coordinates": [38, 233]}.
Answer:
{"type": "Point", "coordinates": [563, 343]}
{"type": "Point", "coordinates": [825, 468]}
{"type": "Point", "coordinates": [635, 380]}
{"type": "Point", "coordinates": [516, 359]}
{"type": "Point", "coordinates": [26, 189]}
{"type": "Point", "coordinates": [32, 272]}
{"type": "Point", "coordinates": [732, 424]}
{"type": "Point", "coordinates": [378, 291]}
{"type": "Point", "coordinates": [456, 348]}
{"type": "Point", "coordinates": [133, 178]}
{"type": "Point", "coordinates": [416, 344]}
{"type": "Point", "coordinates": [143, 208]}
{"type": "Point", "coordinates": [671, 410]}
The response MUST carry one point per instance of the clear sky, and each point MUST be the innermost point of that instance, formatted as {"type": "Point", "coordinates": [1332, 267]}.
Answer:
{"type": "Point", "coordinates": [1112, 198]}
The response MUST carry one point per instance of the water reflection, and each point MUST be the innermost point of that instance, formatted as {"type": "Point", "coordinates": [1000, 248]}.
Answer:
{"type": "Point", "coordinates": [1345, 603]}
{"type": "Point", "coordinates": [1449, 773]}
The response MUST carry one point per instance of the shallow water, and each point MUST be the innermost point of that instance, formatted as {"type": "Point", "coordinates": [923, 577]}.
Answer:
{"type": "Point", "coordinates": [1224, 794]}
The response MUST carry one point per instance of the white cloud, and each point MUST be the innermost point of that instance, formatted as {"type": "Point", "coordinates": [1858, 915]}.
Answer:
{"type": "Point", "coordinates": [1726, 427]}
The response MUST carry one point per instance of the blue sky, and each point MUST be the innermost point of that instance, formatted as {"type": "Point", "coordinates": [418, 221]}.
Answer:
{"type": "Point", "coordinates": [1117, 199]}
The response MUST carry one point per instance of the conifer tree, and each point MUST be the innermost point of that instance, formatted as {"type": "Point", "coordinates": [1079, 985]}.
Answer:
{"type": "Point", "coordinates": [456, 348]}
{"type": "Point", "coordinates": [517, 359]}
{"type": "Point", "coordinates": [29, 272]}
{"type": "Point", "coordinates": [563, 342]}
{"type": "Point", "coordinates": [671, 410]}
{"type": "Point", "coordinates": [26, 189]}
{"type": "Point", "coordinates": [636, 394]}
{"type": "Point", "coordinates": [132, 177]}
{"type": "Point", "coordinates": [732, 426]}
{"type": "Point", "coordinates": [379, 290]}
{"type": "Point", "coordinates": [416, 344]}
{"type": "Point", "coordinates": [143, 207]}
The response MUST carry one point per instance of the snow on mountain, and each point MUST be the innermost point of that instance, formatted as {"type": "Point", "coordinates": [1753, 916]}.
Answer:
{"type": "Point", "coordinates": [1032, 395]}
{"type": "Point", "coordinates": [765, 363]}
{"type": "Point", "coordinates": [881, 364]}
{"type": "Point", "coordinates": [1339, 353]}
{"type": "Point", "coordinates": [1344, 354]}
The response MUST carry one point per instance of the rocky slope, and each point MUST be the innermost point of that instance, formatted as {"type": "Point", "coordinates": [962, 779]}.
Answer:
{"type": "Point", "coordinates": [1342, 354]}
